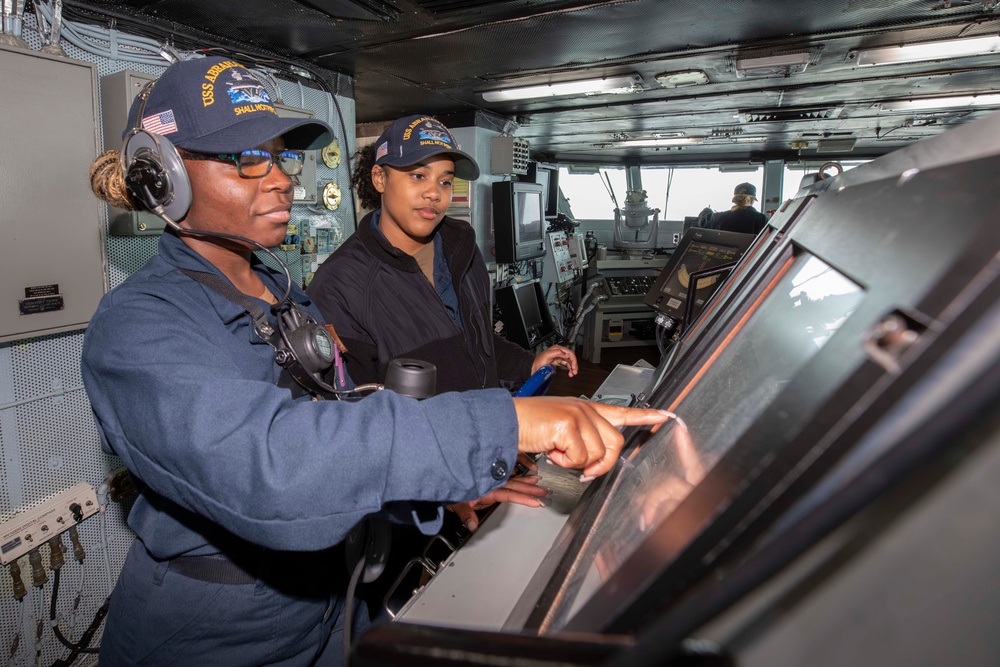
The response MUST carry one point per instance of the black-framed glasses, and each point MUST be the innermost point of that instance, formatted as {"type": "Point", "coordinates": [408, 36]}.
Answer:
{"type": "Point", "coordinates": [255, 163]}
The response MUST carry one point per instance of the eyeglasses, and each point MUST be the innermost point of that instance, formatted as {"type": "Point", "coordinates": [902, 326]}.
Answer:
{"type": "Point", "coordinates": [255, 163]}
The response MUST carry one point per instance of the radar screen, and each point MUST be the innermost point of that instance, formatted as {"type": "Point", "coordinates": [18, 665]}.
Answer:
{"type": "Point", "coordinates": [699, 250]}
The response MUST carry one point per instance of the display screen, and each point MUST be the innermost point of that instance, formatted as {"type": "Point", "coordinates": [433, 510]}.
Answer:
{"type": "Point", "coordinates": [527, 302]}
{"type": "Point", "coordinates": [794, 321]}
{"type": "Point", "coordinates": [528, 208]}
{"type": "Point", "coordinates": [698, 256]}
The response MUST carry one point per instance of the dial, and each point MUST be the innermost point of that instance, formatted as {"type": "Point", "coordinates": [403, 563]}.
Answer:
{"type": "Point", "coordinates": [684, 277]}
{"type": "Point", "coordinates": [331, 196]}
{"type": "Point", "coordinates": [324, 344]}
{"type": "Point", "coordinates": [331, 154]}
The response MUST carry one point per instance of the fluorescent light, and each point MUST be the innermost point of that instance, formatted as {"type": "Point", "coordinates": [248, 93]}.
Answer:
{"type": "Point", "coordinates": [784, 64]}
{"type": "Point", "coordinates": [647, 142]}
{"type": "Point", "coordinates": [942, 102]}
{"type": "Point", "coordinates": [949, 48]}
{"type": "Point", "coordinates": [606, 85]}
{"type": "Point", "coordinates": [747, 139]}
{"type": "Point", "coordinates": [734, 135]}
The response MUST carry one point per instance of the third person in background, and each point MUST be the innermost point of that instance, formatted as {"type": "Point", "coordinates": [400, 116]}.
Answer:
{"type": "Point", "coordinates": [742, 217]}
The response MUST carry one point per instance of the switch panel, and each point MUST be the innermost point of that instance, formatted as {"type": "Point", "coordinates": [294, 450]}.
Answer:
{"type": "Point", "coordinates": [32, 528]}
{"type": "Point", "coordinates": [558, 266]}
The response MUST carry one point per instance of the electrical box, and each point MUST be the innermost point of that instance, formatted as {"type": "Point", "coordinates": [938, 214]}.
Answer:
{"type": "Point", "coordinates": [117, 92]}
{"type": "Point", "coordinates": [305, 188]}
{"type": "Point", "coordinates": [509, 155]}
{"type": "Point", "coordinates": [558, 265]}
{"type": "Point", "coordinates": [52, 246]}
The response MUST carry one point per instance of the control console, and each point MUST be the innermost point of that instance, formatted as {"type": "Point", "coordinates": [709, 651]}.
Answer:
{"type": "Point", "coordinates": [558, 266]}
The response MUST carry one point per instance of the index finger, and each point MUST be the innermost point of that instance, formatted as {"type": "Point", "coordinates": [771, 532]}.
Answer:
{"type": "Point", "coordinates": [621, 416]}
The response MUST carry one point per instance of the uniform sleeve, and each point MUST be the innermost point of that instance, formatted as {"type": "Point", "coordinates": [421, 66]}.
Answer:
{"type": "Point", "coordinates": [513, 361]}
{"type": "Point", "coordinates": [340, 311]}
{"type": "Point", "coordinates": [175, 400]}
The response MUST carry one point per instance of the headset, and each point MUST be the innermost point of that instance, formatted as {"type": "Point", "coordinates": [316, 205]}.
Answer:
{"type": "Point", "coordinates": [157, 180]}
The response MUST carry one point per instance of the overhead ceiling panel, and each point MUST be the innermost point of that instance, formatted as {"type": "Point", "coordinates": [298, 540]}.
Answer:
{"type": "Point", "coordinates": [438, 56]}
{"type": "Point", "coordinates": [360, 10]}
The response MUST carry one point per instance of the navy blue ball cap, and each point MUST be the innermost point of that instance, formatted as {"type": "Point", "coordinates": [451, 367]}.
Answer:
{"type": "Point", "coordinates": [415, 138]}
{"type": "Point", "coordinates": [746, 189]}
{"type": "Point", "coordinates": [216, 105]}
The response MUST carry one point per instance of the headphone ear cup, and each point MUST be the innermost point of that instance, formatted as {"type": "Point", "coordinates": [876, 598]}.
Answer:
{"type": "Point", "coordinates": [155, 174]}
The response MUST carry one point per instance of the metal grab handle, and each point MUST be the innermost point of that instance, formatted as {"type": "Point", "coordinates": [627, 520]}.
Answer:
{"type": "Point", "coordinates": [421, 561]}
{"type": "Point", "coordinates": [424, 560]}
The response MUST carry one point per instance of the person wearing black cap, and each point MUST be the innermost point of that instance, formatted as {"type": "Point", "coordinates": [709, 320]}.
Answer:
{"type": "Point", "coordinates": [412, 283]}
{"type": "Point", "coordinates": [244, 490]}
{"type": "Point", "coordinates": [742, 217]}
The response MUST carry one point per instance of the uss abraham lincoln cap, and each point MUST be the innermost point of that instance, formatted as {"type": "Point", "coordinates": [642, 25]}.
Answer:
{"type": "Point", "coordinates": [746, 189]}
{"type": "Point", "coordinates": [216, 105]}
{"type": "Point", "coordinates": [413, 139]}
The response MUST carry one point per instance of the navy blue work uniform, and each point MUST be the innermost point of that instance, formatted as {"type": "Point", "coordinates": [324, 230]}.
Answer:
{"type": "Point", "coordinates": [244, 491]}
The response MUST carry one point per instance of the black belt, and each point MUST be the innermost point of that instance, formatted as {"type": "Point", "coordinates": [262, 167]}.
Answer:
{"type": "Point", "coordinates": [212, 569]}
{"type": "Point", "coordinates": [274, 567]}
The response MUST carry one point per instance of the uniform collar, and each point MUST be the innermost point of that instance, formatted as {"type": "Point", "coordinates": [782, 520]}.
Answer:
{"type": "Point", "coordinates": [456, 236]}
{"type": "Point", "coordinates": [179, 255]}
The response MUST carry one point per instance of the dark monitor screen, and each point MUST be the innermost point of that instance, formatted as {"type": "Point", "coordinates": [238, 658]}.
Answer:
{"type": "Point", "coordinates": [518, 221]}
{"type": "Point", "coordinates": [529, 220]}
{"type": "Point", "coordinates": [527, 302]}
{"type": "Point", "coordinates": [525, 314]}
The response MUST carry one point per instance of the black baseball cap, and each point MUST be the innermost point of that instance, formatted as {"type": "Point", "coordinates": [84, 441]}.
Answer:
{"type": "Point", "coordinates": [746, 189]}
{"type": "Point", "coordinates": [216, 105]}
{"type": "Point", "coordinates": [415, 138]}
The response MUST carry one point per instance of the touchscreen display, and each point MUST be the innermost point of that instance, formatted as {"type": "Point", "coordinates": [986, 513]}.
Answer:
{"type": "Point", "coordinates": [800, 314]}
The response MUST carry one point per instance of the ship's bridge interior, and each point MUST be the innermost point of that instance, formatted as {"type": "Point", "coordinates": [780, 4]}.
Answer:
{"type": "Point", "coordinates": [824, 492]}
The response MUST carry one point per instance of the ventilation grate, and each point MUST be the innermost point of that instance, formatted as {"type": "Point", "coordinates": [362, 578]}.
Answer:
{"type": "Point", "coordinates": [790, 114]}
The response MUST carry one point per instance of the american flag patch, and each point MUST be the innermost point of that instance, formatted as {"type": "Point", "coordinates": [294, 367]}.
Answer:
{"type": "Point", "coordinates": [382, 151]}
{"type": "Point", "coordinates": [160, 123]}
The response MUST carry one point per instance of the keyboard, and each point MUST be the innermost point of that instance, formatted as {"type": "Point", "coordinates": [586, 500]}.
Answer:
{"type": "Point", "coordinates": [629, 286]}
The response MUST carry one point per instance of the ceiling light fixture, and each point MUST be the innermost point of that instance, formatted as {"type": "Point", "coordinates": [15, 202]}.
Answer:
{"type": "Point", "coordinates": [648, 142]}
{"type": "Point", "coordinates": [942, 102]}
{"type": "Point", "coordinates": [836, 145]}
{"type": "Point", "coordinates": [948, 48]}
{"type": "Point", "coordinates": [682, 79]}
{"type": "Point", "coordinates": [740, 139]}
{"type": "Point", "coordinates": [628, 83]}
{"type": "Point", "coordinates": [782, 64]}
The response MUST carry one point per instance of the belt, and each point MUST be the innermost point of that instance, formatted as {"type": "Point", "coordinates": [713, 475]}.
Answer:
{"type": "Point", "coordinates": [275, 567]}
{"type": "Point", "coordinates": [212, 569]}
